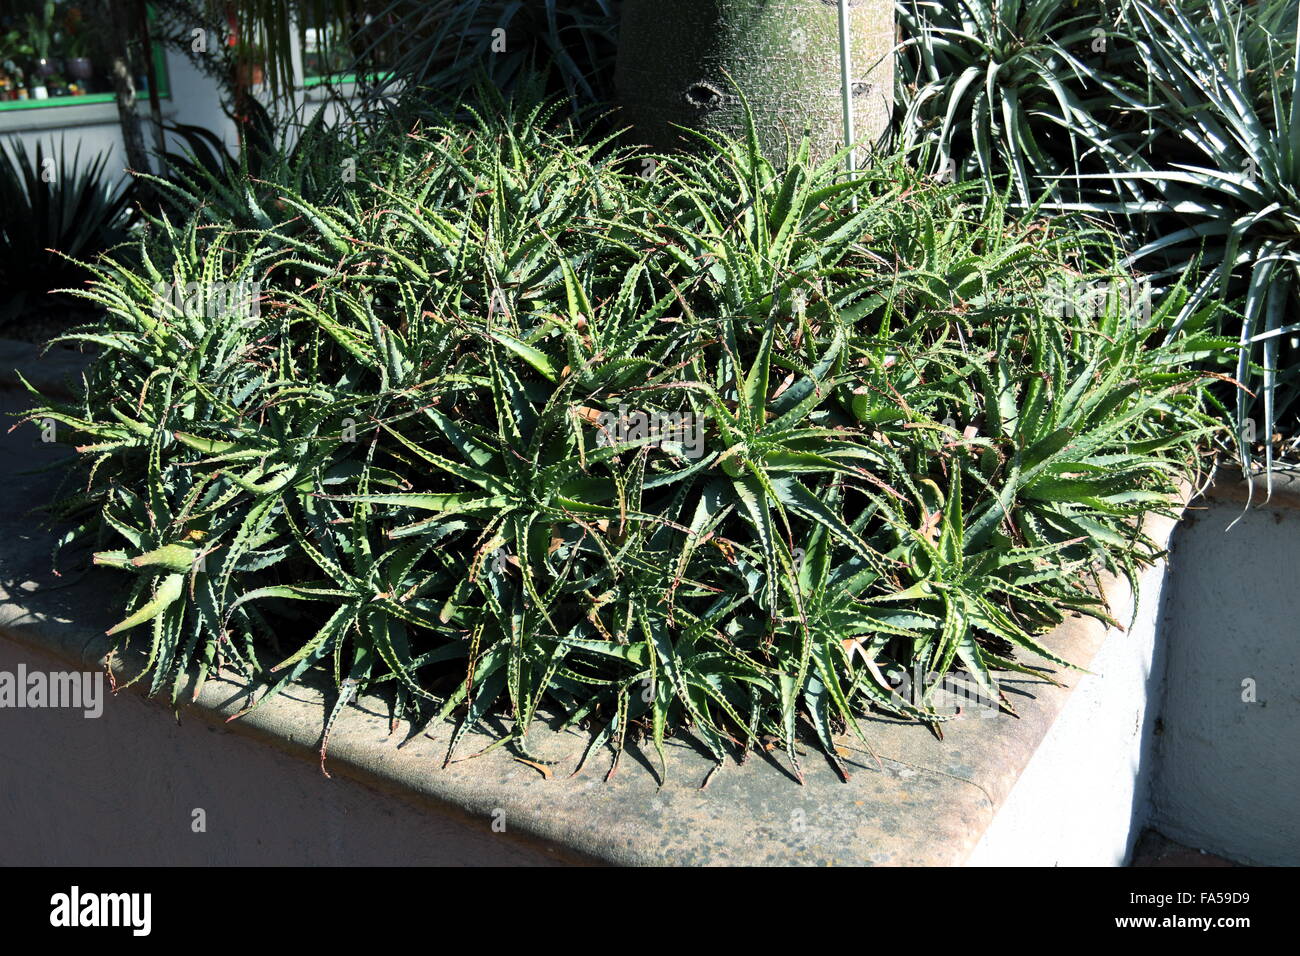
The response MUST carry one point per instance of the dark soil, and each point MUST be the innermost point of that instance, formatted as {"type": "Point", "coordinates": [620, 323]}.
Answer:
{"type": "Point", "coordinates": [1156, 849]}
{"type": "Point", "coordinates": [40, 323]}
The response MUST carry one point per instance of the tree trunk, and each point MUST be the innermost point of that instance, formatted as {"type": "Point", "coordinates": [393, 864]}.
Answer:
{"type": "Point", "coordinates": [155, 106]}
{"type": "Point", "coordinates": [120, 21]}
{"type": "Point", "coordinates": [675, 57]}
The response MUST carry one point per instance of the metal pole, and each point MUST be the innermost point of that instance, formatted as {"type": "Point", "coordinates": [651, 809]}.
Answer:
{"type": "Point", "coordinates": [846, 88]}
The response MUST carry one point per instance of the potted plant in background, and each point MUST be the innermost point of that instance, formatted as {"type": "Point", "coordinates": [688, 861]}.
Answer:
{"type": "Point", "coordinates": [250, 65]}
{"type": "Point", "coordinates": [14, 51]}
{"type": "Point", "coordinates": [78, 64]}
{"type": "Point", "coordinates": [40, 35]}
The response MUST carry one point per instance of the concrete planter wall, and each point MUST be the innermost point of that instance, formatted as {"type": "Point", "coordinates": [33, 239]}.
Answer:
{"type": "Point", "coordinates": [1227, 771]}
{"type": "Point", "coordinates": [1072, 781]}
{"type": "Point", "coordinates": [264, 800]}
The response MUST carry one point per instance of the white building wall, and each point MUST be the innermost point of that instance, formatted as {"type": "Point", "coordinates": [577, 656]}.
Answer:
{"type": "Point", "coordinates": [194, 99]}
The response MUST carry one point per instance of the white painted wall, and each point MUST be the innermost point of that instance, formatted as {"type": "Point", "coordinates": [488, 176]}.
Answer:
{"type": "Point", "coordinates": [1228, 769]}
{"type": "Point", "coordinates": [1085, 794]}
{"type": "Point", "coordinates": [1196, 734]}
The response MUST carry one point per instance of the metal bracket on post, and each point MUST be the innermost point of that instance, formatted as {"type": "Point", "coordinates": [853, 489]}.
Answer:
{"type": "Point", "coordinates": [846, 91]}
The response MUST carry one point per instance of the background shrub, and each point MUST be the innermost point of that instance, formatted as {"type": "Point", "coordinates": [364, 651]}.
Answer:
{"type": "Point", "coordinates": [1021, 94]}
{"type": "Point", "coordinates": [57, 210]}
{"type": "Point", "coordinates": [1223, 179]}
{"type": "Point", "coordinates": [1173, 122]}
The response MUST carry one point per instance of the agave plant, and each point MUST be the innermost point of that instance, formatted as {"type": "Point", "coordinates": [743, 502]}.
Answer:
{"type": "Point", "coordinates": [57, 210]}
{"type": "Point", "coordinates": [444, 47]}
{"type": "Point", "coordinates": [528, 425]}
{"type": "Point", "coordinates": [1232, 185]}
{"type": "Point", "coordinates": [1023, 91]}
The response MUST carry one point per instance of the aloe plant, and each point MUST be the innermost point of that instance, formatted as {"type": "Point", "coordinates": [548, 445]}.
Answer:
{"type": "Point", "coordinates": [315, 158]}
{"type": "Point", "coordinates": [415, 447]}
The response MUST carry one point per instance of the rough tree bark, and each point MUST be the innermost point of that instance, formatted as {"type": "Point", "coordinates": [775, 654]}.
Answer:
{"type": "Point", "coordinates": [675, 57]}
{"type": "Point", "coordinates": [144, 36]}
{"type": "Point", "coordinates": [120, 19]}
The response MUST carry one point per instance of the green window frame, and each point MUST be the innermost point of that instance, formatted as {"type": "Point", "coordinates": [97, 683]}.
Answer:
{"type": "Point", "coordinates": [57, 102]}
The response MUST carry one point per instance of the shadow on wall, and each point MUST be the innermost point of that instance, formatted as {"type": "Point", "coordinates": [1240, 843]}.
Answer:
{"type": "Point", "coordinates": [1151, 719]}
{"type": "Point", "coordinates": [1226, 761]}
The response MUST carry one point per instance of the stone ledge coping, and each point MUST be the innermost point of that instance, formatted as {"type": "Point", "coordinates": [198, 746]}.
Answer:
{"type": "Point", "coordinates": [1231, 485]}
{"type": "Point", "coordinates": [927, 803]}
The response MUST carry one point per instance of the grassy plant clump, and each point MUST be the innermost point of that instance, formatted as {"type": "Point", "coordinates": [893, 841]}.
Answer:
{"type": "Point", "coordinates": [525, 425]}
